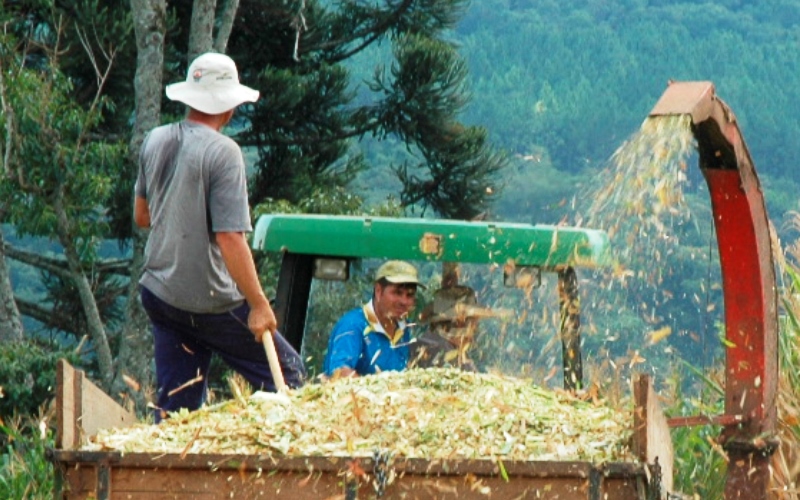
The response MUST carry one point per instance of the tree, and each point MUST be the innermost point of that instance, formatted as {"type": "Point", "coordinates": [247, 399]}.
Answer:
{"type": "Point", "coordinates": [57, 179]}
{"type": "Point", "coordinates": [307, 125]}
{"type": "Point", "coordinates": [10, 322]}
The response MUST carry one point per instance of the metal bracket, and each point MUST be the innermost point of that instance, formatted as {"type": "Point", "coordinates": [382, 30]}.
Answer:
{"type": "Point", "coordinates": [763, 446]}
{"type": "Point", "coordinates": [595, 483]}
{"type": "Point", "coordinates": [654, 487]}
{"type": "Point", "coordinates": [381, 468]}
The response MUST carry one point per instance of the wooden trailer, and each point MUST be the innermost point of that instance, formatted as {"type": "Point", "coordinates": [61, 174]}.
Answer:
{"type": "Point", "coordinates": [100, 475]}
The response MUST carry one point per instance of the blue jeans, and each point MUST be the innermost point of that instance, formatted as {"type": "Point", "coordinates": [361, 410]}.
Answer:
{"type": "Point", "coordinates": [184, 343]}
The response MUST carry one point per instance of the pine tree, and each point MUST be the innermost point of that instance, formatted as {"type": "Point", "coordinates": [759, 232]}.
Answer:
{"type": "Point", "coordinates": [312, 124]}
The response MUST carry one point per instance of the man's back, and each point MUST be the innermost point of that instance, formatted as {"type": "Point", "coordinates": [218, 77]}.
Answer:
{"type": "Point", "coordinates": [194, 180]}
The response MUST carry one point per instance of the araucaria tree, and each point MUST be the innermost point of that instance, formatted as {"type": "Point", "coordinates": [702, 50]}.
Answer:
{"type": "Point", "coordinates": [303, 55]}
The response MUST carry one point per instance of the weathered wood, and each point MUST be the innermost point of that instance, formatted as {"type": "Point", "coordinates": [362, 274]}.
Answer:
{"type": "Point", "coordinates": [651, 439]}
{"type": "Point", "coordinates": [83, 408]}
{"type": "Point", "coordinates": [150, 476]}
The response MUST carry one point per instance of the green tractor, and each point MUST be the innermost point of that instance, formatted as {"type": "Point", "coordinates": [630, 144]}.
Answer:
{"type": "Point", "coordinates": [528, 273]}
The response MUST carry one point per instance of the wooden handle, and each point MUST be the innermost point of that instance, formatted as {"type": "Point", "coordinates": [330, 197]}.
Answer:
{"type": "Point", "coordinates": [274, 364]}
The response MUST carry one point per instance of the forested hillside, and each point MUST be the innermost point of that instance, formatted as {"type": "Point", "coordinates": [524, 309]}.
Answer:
{"type": "Point", "coordinates": [567, 81]}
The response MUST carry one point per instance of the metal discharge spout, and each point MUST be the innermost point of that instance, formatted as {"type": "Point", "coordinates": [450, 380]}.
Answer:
{"type": "Point", "coordinates": [748, 276]}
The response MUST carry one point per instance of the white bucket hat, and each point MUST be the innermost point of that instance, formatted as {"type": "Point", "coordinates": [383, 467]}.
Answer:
{"type": "Point", "coordinates": [212, 85]}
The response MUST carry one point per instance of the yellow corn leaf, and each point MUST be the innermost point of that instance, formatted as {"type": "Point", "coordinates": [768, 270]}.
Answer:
{"type": "Point", "coordinates": [657, 336]}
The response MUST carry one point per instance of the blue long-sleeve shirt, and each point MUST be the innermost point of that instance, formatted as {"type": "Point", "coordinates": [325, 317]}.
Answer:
{"type": "Point", "coordinates": [358, 341]}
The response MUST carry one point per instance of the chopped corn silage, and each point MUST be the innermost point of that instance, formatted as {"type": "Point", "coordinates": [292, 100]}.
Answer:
{"type": "Point", "coordinates": [428, 414]}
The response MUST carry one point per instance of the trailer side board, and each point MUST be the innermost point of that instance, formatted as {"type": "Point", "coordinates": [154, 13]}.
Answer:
{"type": "Point", "coordinates": [83, 408]}
{"type": "Point", "coordinates": [652, 441]}
{"type": "Point", "coordinates": [147, 476]}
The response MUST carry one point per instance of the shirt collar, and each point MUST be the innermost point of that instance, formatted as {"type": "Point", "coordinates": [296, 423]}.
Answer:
{"type": "Point", "coordinates": [376, 326]}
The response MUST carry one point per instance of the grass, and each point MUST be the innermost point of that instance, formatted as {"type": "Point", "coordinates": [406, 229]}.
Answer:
{"type": "Point", "coordinates": [786, 461]}
{"type": "Point", "coordinates": [25, 471]}
{"type": "Point", "coordinates": [699, 464]}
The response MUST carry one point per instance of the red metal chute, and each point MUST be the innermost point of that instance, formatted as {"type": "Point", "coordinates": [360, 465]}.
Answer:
{"type": "Point", "coordinates": [748, 279]}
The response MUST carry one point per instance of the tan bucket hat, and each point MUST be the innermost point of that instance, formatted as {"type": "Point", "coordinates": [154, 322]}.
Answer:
{"type": "Point", "coordinates": [212, 85]}
{"type": "Point", "coordinates": [397, 272]}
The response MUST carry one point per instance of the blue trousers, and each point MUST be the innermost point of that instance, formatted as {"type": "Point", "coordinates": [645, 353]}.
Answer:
{"type": "Point", "coordinates": [184, 343]}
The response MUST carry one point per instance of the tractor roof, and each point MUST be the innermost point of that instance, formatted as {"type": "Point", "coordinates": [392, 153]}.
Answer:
{"type": "Point", "coordinates": [549, 247]}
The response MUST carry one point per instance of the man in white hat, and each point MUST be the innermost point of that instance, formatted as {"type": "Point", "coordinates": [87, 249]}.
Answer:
{"type": "Point", "coordinates": [376, 336]}
{"type": "Point", "coordinates": [199, 286]}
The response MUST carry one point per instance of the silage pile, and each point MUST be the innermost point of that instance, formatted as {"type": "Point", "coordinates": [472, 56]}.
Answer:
{"type": "Point", "coordinates": [430, 414]}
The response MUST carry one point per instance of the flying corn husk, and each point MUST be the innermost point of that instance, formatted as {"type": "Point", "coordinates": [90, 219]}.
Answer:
{"type": "Point", "coordinates": [463, 311]}
{"type": "Point", "coordinates": [439, 413]}
{"type": "Point", "coordinates": [646, 187]}
{"type": "Point", "coordinates": [659, 335]}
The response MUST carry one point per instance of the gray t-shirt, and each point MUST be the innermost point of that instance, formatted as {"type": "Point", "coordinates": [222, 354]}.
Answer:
{"type": "Point", "coordinates": [194, 181]}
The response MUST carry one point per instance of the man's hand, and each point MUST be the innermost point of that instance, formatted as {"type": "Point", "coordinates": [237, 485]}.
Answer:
{"type": "Point", "coordinates": [262, 320]}
{"type": "Point", "coordinates": [343, 372]}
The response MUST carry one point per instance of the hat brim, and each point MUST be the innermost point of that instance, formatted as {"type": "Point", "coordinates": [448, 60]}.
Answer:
{"type": "Point", "coordinates": [211, 100]}
{"type": "Point", "coordinates": [404, 280]}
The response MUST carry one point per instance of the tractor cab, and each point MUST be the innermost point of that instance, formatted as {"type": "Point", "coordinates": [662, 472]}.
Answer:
{"type": "Point", "coordinates": [525, 280]}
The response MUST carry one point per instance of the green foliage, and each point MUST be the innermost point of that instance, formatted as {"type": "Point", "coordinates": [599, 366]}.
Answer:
{"type": "Point", "coordinates": [25, 471]}
{"type": "Point", "coordinates": [53, 159]}
{"type": "Point", "coordinates": [313, 126]}
{"type": "Point", "coordinates": [534, 191]}
{"type": "Point", "coordinates": [301, 142]}
{"type": "Point", "coordinates": [93, 36]}
{"type": "Point", "coordinates": [60, 171]}
{"type": "Point", "coordinates": [576, 77]}
{"type": "Point", "coordinates": [788, 401]}
{"type": "Point", "coordinates": [790, 326]}
{"type": "Point", "coordinates": [699, 467]}
{"type": "Point", "coordinates": [700, 464]}
{"type": "Point", "coordinates": [61, 294]}
{"type": "Point", "coordinates": [28, 372]}
{"type": "Point", "coordinates": [425, 92]}
{"type": "Point", "coordinates": [789, 348]}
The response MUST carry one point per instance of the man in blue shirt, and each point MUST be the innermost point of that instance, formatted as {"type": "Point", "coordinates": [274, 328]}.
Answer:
{"type": "Point", "coordinates": [375, 337]}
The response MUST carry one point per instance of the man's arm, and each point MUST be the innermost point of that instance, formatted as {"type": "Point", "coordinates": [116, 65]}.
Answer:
{"type": "Point", "coordinates": [344, 349]}
{"type": "Point", "coordinates": [239, 261]}
{"type": "Point", "coordinates": [141, 212]}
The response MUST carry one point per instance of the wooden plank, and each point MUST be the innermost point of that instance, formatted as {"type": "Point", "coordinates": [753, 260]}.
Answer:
{"type": "Point", "coordinates": [99, 410]}
{"type": "Point", "coordinates": [652, 440]}
{"type": "Point", "coordinates": [154, 482]}
{"type": "Point", "coordinates": [83, 408]}
{"type": "Point", "coordinates": [303, 464]}
{"type": "Point", "coordinates": [67, 432]}
{"type": "Point", "coordinates": [704, 420]}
